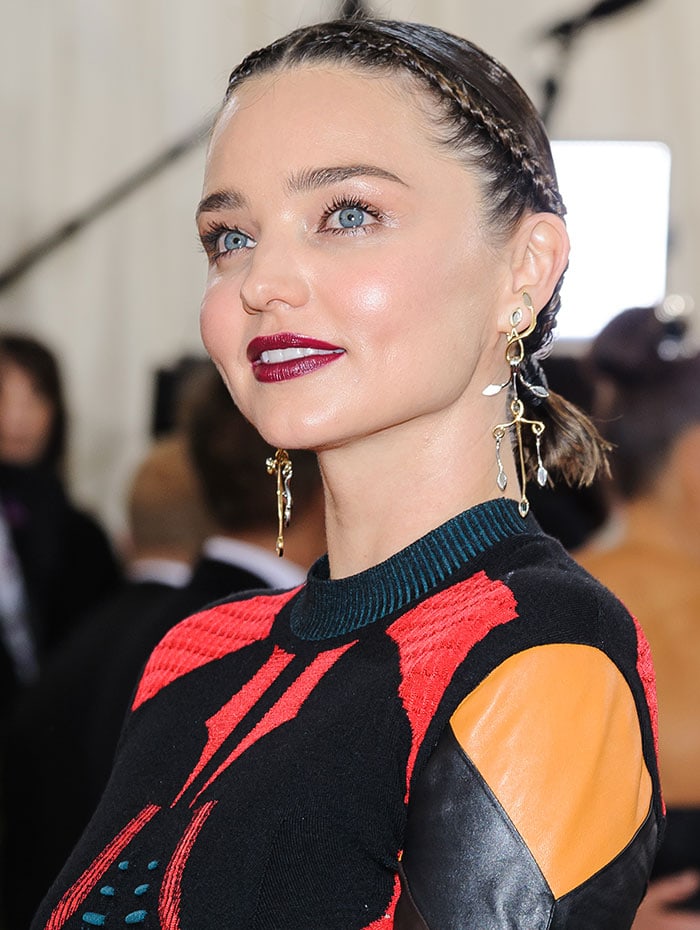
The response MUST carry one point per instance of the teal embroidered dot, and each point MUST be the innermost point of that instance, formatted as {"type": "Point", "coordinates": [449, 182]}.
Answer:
{"type": "Point", "coordinates": [94, 920]}
{"type": "Point", "coordinates": [124, 865]}
{"type": "Point", "coordinates": [107, 891]}
{"type": "Point", "coordinates": [153, 864]}
{"type": "Point", "coordinates": [135, 917]}
{"type": "Point", "coordinates": [142, 889]}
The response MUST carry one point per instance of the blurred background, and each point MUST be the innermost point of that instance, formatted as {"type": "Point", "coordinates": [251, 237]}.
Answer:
{"type": "Point", "coordinates": [103, 105]}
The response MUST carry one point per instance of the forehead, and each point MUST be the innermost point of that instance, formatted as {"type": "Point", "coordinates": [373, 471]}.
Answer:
{"type": "Point", "coordinates": [337, 111]}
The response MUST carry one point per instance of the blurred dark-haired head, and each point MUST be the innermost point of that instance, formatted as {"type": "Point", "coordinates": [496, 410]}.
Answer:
{"type": "Point", "coordinates": [229, 456]}
{"type": "Point", "coordinates": [32, 406]}
{"type": "Point", "coordinates": [648, 392]}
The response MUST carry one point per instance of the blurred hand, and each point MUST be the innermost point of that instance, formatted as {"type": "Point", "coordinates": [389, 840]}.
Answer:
{"type": "Point", "coordinates": [656, 910]}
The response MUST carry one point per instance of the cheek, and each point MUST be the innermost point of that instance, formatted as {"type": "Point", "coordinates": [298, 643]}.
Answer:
{"type": "Point", "coordinates": [378, 296]}
{"type": "Point", "coordinates": [367, 298]}
{"type": "Point", "coordinates": [43, 420]}
{"type": "Point", "coordinates": [221, 327]}
{"type": "Point", "coordinates": [220, 321]}
{"type": "Point", "coordinates": [406, 298]}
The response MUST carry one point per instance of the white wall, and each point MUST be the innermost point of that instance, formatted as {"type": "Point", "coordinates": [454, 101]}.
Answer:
{"type": "Point", "coordinates": [91, 89]}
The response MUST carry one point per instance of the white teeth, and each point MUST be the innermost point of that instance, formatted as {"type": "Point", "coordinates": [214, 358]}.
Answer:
{"type": "Point", "coordinates": [287, 355]}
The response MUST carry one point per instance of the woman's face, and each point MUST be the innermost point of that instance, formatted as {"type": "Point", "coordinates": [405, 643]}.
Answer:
{"type": "Point", "coordinates": [26, 416]}
{"type": "Point", "coordinates": [352, 286]}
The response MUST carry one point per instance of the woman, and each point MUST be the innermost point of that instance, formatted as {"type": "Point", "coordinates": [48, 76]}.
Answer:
{"type": "Point", "coordinates": [64, 559]}
{"type": "Point", "coordinates": [648, 377]}
{"type": "Point", "coordinates": [448, 725]}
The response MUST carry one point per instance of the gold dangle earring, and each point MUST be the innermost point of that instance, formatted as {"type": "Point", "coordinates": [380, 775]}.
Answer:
{"type": "Point", "coordinates": [515, 353]}
{"type": "Point", "coordinates": [281, 465]}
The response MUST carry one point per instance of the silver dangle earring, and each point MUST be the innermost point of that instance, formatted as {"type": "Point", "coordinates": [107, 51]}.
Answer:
{"type": "Point", "coordinates": [281, 465]}
{"type": "Point", "coordinates": [542, 473]}
{"type": "Point", "coordinates": [501, 477]}
{"type": "Point", "coordinates": [515, 353]}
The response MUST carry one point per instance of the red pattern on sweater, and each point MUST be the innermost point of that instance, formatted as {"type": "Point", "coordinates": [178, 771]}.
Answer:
{"type": "Point", "coordinates": [215, 637]}
{"type": "Point", "coordinates": [171, 889]}
{"type": "Point", "coordinates": [222, 724]}
{"type": "Point", "coordinates": [78, 892]}
{"type": "Point", "coordinates": [432, 646]}
{"type": "Point", "coordinates": [285, 709]}
{"type": "Point", "coordinates": [645, 670]}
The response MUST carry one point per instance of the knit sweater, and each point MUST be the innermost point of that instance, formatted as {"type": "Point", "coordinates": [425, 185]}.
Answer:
{"type": "Point", "coordinates": [461, 736]}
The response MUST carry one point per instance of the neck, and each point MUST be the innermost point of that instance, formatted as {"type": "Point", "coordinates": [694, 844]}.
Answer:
{"type": "Point", "coordinates": [392, 488]}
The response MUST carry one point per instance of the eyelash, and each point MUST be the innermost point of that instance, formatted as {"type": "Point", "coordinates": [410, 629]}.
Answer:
{"type": "Point", "coordinates": [210, 236]}
{"type": "Point", "coordinates": [348, 203]}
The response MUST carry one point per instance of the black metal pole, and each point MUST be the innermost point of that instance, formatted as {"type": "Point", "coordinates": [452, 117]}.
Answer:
{"type": "Point", "coordinates": [43, 247]}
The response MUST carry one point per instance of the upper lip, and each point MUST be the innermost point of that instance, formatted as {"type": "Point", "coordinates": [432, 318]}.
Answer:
{"type": "Point", "coordinates": [285, 341]}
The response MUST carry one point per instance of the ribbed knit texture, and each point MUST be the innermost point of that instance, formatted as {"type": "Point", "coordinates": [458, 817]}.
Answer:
{"type": "Point", "coordinates": [336, 607]}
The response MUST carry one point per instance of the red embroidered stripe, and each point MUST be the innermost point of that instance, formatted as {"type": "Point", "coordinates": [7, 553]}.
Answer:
{"type": "Point", "coordinates": [78, 892]}
{"type": "Point", "coordinates": [285, 709]}
{"type": "Point", "coordinates": [216, 632]}
{"type": "Point", "coordinates": [171, 890]}
{"type": "Point", "coordinates": [224, 721]}
{"type": "Point", "coordinates": [645, 670]}
{"type": "Point", "coordinates": [431, 646]}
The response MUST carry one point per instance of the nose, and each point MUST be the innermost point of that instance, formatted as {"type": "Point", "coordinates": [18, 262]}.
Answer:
{"type": "Point", "coordinates": [276, 278]}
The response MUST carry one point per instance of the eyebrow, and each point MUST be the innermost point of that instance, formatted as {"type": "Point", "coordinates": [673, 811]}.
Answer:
{"type": "Point", "coordinates": [312, 178]}
{"type": "Point", "coordinates": [221, 200]}
{"type": "Point", "coordinates": [299, 183]}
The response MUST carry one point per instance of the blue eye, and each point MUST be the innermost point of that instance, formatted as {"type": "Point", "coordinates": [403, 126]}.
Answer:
{"type": "Point", "coordinates": [352, 217]}
{"type": "Point", "coordinates": [233, 240]}
{"type": "Point", "coordinates": [349, 215]}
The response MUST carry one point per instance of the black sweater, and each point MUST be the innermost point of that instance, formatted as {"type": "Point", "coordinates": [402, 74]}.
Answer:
{"type": "Point", "coordinates": [291, 758]}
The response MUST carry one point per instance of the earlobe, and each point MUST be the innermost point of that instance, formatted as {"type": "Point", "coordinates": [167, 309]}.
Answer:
{"type": "Point", "coordinates": [539, 258]}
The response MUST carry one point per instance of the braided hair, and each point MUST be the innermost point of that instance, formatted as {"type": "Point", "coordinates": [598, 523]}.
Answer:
{"type": "Point", "coordinates": [484, 117]}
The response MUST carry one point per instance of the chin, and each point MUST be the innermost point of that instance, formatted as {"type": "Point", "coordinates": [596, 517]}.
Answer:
{"type": "Point", "coordinates": [287, 432]}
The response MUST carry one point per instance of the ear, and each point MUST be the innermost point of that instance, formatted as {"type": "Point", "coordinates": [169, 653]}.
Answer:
{"type": "Point", "coordinates": [538, 257]}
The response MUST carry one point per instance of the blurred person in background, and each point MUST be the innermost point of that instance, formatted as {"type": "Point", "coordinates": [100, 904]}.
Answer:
{"type": "Point", "coordinates": [648, 405]}
{"type": "Point", "coordinates": [226, 453]}
{"type": "Point", "coordinates": [200, 497]}
{"type": "Point", "coordinates": [48, 805]}
{"type": "Point", "coordinates": [64, 560]}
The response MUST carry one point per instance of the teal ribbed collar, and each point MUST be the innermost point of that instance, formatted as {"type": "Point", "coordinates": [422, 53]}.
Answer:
{"type": "Point", "coordinates": [326, 608]}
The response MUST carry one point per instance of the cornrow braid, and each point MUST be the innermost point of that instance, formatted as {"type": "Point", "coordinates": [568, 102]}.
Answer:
{"type": "Point", "coordinates": [471, 101]}
{"type": "Point", "coordinates": [484, 117]}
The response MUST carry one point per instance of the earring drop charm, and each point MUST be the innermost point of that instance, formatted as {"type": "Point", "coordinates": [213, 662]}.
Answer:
{"type": "Point", "coordinates": [542, 473]}
{"type": "Point", "coordinates": [281, 465]}
{"type": "Point", "coordinates": [501, 477]}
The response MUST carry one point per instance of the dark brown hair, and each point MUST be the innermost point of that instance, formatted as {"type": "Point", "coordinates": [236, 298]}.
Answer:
{"type": "Point", "coordinates": [485, 118]}
{"type": "Point", "coordinates": [41, 366]}
{"type": "Point", "coordinates": [648, 393]}
{"type": "Point", "coordinates": [229, 457]}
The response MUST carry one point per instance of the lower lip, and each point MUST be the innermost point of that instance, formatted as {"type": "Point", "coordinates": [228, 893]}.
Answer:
{"type": "Point", "coordinates": [295, 368]}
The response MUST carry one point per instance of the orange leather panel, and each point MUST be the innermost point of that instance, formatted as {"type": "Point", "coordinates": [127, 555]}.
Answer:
{"type": "Point", "coordinates": [554, 733]}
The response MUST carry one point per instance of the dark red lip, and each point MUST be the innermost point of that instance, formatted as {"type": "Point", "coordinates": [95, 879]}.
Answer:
{"type": "Point", "coordinates": [271, 372]}
{"type": "Point", "coordinates": [284, 341]}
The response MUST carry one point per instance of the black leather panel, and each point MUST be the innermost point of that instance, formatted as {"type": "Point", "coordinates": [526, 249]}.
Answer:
{"type": "Point", "coordinates": [610, 898]}
{"type": "Point", "coordinates": [407, 916]}
{"type": "Point", "coordinates": [465, 865]}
